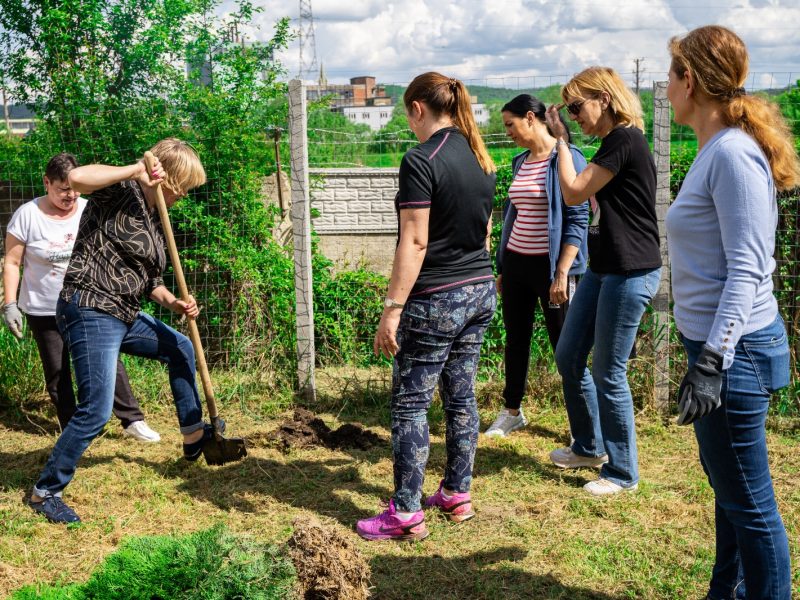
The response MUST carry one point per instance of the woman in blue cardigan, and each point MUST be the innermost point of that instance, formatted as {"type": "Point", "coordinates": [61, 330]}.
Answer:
{"type": "Point", "coordinates": [542, 249]}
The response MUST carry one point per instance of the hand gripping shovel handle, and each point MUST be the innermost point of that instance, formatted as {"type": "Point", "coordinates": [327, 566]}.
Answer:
{"type": "Point", "coordinates": [194, 332]}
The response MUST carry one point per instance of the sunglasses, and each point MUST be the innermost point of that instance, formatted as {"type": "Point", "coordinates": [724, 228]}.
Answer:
{"type": "Point", "coordinates": [574, 108]}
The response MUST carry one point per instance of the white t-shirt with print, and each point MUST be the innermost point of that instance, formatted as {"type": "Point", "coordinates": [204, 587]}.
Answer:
{"type": "Point", "coordinates": [48, 247]}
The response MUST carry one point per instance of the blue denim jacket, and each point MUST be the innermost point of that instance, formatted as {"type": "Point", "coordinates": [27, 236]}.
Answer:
{"type": "Point", "coordinates": [566, 224]}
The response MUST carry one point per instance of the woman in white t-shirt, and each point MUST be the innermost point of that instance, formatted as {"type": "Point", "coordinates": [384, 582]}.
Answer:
{"type": "Point", "coordinates": [40, 237]}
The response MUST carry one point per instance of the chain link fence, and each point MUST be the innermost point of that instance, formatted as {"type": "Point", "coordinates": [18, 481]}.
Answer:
{"type": "Point", "coordinates": [235, 233]}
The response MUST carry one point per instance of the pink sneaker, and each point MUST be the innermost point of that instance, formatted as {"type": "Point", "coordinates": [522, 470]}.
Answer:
{"type": "Point", "coordinates": [388, 526]}
{"type": "Point", "coordinates": [457, 508]}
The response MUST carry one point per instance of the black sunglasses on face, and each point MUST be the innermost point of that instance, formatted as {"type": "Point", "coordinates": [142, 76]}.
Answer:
{"type": "Point", "coordinates": [574, 108]}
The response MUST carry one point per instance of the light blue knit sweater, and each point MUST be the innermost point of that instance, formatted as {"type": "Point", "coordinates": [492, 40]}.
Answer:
{"type": "Point", "coordinates": [721, 236]}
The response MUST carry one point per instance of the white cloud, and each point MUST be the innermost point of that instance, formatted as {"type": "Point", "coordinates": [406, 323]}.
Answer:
{"type": "Point", "coordinates": [515, 41]}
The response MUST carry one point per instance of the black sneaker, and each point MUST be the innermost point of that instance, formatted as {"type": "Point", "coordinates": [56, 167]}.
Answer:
{"type": "Point", "coordinates": [55, 510]}
{"type": "Point", "coordinates": [192, 452]}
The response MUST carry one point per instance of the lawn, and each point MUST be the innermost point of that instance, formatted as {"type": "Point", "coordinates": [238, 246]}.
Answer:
{"type": "Point", "coordinates": [536, 535]}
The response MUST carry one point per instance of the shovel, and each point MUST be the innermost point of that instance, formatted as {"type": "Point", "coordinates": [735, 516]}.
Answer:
{"type": "Point", "coordinates": [219, 449]}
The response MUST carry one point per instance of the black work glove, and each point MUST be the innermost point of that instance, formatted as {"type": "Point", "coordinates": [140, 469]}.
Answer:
{"type": "Point", "coordinates": [701, 387]}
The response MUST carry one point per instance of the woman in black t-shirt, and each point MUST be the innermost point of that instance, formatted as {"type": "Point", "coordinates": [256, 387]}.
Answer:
{"type": "Point", "coordinates": [440, 300]}
{"type": "Point", "coordinates": [623, 276]}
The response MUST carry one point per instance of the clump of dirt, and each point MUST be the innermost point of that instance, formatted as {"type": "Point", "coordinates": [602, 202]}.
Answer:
{"type": "Point", "coordinates": [307, 429]}
{"type": "Point", "coordinates": [328, 565]}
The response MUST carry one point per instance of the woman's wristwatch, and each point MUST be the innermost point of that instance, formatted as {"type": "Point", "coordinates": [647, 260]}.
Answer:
{"type": "Point", "coordinates": [561, 142]}
{"type": "Point", "coordinates": [392, 303]}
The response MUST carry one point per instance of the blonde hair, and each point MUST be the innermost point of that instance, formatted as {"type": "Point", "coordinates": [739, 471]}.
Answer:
{"type": "Point", "coordinates": [182, 166]}
{"type": "Point", "coordinates": [718, 61]}
{"type": "Point", "coordinates": [445, 95]}
{"type": "Point", "coordinates": [625, 107]}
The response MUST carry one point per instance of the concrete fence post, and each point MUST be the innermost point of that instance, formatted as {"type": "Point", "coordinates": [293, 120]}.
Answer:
{"type": "Point", "coordinates": [661, 301]}
{"type": "Point", "coordinates": [301, 232]}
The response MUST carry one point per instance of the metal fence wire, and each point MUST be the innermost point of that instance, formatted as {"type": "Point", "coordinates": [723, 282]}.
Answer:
{"type": "Point", "coordinates": [241, 259]}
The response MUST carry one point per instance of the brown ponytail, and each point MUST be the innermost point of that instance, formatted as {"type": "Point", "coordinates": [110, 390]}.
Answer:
{"type": "Point", "coordinates": [718, 61]}
{"type": "Point", "coordinates": [448, 96]}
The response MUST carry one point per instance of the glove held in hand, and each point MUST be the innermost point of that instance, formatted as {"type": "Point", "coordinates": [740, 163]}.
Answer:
{"type": "Point", "coordinates": [13, 319]}
{"type": "Point", "coordinates": [701, 387]}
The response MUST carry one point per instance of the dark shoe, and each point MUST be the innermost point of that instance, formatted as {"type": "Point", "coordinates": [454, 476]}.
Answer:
{"type": "Point", "coordinates": [192, 452]}
{"type": "Point", "coordinates": [55, 510]}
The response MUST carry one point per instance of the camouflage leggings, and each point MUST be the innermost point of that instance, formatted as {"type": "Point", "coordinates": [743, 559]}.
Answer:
{"type": "Point", "coordinates": [440, 335]}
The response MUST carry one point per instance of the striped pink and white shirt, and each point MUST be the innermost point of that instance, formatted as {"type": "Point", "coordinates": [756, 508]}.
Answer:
{"type": "Point", "coordinates": [528, 194]}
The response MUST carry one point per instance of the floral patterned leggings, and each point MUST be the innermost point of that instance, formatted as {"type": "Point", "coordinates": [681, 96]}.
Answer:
{"type": "Point", "coordinates": [440, 337]}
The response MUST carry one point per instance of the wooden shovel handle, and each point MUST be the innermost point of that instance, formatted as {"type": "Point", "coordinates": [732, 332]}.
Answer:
{"type": "Point", "coordinates": [194, 332]}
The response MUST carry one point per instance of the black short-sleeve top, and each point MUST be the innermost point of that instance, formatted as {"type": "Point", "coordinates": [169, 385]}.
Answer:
{"type": "Point", "coordinates": [442, 174]}
{"type": "Point", "coordinates": [626, 237]}
{"type": "Point", "coordinates": [119, 253]}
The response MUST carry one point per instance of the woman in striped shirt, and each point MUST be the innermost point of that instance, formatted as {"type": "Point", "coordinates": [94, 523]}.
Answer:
{"type": "Point", "coordinates": [542, 249]}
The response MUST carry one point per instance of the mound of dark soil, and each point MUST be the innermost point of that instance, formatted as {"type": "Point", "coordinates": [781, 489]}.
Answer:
{"type": "Point", "coordinates": [306, 429]}
{"type": "Point", "coordinates": [328, 565]}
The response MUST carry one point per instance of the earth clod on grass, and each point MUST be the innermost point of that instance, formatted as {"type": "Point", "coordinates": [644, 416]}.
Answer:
{"type": "Point", "coordinates": [328, 564]}
{"type": "Point", "coordinates": [306, 429]}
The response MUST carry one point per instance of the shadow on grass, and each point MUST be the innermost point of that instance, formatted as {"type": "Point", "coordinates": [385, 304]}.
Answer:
{"type": "Point", "coordinates": [480, 576]}
{"type": "Point", "coordinates": [32, 419]}
{"type": "Point", "coordinates": [322, 485]}
{"type": "Point", "coordinates": [325, 484]}
{"type": "Point", "coordinates": [20, 470]}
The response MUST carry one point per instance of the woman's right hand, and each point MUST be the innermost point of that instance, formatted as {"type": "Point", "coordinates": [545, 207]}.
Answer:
{"type": "Point", "coordinates": [154, 177]}
{"type": "Point", "coordinates": [499, 284]}
{"type": "Point", "coordinates": [554, 123]}
{"type": "Point", "coordinates": [13, 319]}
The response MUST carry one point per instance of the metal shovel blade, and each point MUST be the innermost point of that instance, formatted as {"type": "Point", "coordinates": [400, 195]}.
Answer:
{"type": "Point", "coordinates": [220, 450]}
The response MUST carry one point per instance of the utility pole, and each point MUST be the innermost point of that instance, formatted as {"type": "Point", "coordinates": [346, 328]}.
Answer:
{"type": "Point", "coordinates": [638, 73]}
{"type": "Point", "coordinates": [308, 43]}
{"type": "Point", "coordinates": [6, 116]}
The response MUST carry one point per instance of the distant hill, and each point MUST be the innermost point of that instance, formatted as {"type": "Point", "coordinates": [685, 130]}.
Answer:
{"type": "Point", "coordinates": [492, 95]}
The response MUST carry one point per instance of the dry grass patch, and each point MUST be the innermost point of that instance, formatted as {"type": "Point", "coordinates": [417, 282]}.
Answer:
{"type": "Point", "coordinates": [537, 534]}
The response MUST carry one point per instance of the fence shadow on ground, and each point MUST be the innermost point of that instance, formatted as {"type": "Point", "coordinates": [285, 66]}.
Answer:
{"type": "Point", "coordinates": [483, 575]}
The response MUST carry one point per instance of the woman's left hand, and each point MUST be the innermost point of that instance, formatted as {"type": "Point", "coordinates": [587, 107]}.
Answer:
{"type": "Point", "coordinates": [190, 308]}
{"type": "Point", "coordinates": [386, 336]}
{"type": "Point", "coordinates": [558, 290]}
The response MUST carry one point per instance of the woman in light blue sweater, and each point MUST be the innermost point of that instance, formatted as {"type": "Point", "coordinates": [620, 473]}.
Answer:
{"type": "Point", "coordinates": [721, 235]}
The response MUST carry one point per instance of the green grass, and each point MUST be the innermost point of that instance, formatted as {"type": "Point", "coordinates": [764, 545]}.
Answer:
{"type": "Point", "coordinates": [537, 534]}
{"type": "Point", "coordinates": [207, 565]}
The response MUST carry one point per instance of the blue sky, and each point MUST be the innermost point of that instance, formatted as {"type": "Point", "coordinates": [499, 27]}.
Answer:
{"type": "Point", "coordinates": [530, 42]}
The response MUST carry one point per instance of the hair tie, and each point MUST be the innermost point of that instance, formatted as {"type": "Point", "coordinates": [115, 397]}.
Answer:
{"type": "Point", "coordinates": [453, 83]}
{"type": "Point", "coordinates": [739, 91]}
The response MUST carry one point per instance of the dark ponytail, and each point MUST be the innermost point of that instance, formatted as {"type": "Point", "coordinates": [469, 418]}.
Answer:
{"type": "Point", "coordinates": [521, 105]}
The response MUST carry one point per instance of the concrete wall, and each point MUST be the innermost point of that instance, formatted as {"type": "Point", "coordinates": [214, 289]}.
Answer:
{"type": "Point", "coordinates": [357, 223]}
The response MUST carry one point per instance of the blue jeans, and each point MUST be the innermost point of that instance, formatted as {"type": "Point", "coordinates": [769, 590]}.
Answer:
{"type": "Point", "coordinates": [752, 550]}
{"type": "Point", "coordinates": [440, 336]}
{"type": "Point", "coordinates": [604, 314]}
{"type": "Point", "coordinates": [95, 340]}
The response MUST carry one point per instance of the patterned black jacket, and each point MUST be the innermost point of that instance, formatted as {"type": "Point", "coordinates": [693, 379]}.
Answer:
{"type": "Point", "coordinates": [119, 253]}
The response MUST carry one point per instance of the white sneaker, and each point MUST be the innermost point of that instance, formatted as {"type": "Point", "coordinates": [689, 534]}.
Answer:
{"type": "Point", "coordinates": [139, 430]}
{"type": "Point", "coordinates": [505, 423]}
{"type": "Point", "coordinates": [605, 487]}
{"type": "Point", "coordinates": [565, 458]}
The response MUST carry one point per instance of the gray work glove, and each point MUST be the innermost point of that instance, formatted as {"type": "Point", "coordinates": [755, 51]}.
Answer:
{"type": "Point", "coordinates": [701, 387]}
{"type": "Point", "coordinates": [13, 318]}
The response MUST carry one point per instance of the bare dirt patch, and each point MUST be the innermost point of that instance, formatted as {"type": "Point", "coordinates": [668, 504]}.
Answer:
{"type": "Point", "coordinates": [306, 429]}
{"type": "Point", "coordinates": [328, 565]}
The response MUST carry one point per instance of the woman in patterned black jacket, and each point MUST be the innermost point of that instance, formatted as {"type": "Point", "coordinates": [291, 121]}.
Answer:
{"type": "Point", "coordinates": [119, 257]}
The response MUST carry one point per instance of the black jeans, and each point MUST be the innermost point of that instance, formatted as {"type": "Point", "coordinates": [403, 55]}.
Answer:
{"type": "Point", "coordinates": [58, 377]}
{"type": "Point", "coordinates": [526, 282]}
